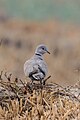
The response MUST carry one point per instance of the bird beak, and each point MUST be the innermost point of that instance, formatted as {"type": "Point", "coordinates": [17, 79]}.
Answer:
{"type": "Point", "coordinates": [48, 52]}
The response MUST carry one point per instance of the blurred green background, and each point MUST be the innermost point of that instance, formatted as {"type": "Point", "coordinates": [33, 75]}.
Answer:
{"type": "Point", "coordinates": [65, 10]}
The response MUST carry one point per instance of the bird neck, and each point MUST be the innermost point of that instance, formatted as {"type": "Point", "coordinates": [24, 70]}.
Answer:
{"type": "Point", "coordinates": [38, 54]}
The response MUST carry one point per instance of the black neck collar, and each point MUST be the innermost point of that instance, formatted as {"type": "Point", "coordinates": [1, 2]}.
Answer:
{"type": "Point", "coordinates": [38, 54]}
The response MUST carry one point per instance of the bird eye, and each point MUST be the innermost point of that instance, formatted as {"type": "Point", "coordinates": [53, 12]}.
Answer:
{"type": "Point", "coordinates": [43, 48]}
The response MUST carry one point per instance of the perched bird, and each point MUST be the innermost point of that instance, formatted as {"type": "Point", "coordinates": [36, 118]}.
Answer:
{"type": "Point", "coordinates": [36, 68]}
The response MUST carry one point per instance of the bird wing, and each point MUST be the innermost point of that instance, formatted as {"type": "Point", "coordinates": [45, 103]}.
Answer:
{"type": "Point", "coordinates": [29, 67]}
{"type": "Point", "coordinates": [42, 67]}
{"type": "Point", "coordinates": [40, 72]}
{"type": "Point", "coordinates": [36, 69]}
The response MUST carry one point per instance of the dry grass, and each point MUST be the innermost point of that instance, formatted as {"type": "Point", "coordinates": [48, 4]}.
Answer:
{"type": "Point", "coordinates": [24, 101]}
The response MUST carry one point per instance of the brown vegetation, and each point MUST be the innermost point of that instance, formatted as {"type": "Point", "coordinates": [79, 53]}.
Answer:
{"type": "Point", "coordinates": [24, 101]}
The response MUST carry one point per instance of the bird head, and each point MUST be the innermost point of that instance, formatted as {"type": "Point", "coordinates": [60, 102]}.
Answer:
{"type": "Point", "coordinates": [41, 49]}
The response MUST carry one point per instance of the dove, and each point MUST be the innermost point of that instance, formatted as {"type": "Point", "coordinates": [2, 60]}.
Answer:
{"type": "Point", "coordinates": [36, 68]}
